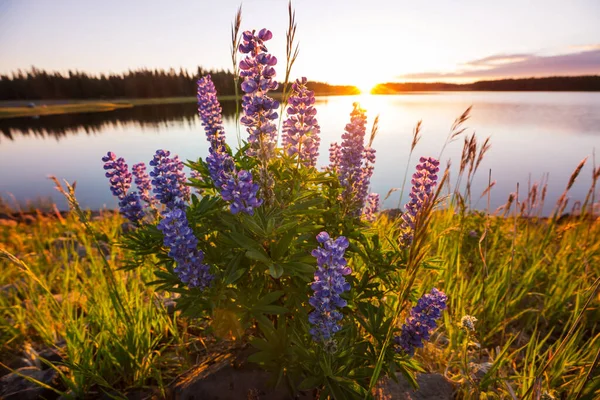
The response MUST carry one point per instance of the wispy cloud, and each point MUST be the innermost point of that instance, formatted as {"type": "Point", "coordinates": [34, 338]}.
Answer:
{"type": "Point", "coordinates": [584, 61]}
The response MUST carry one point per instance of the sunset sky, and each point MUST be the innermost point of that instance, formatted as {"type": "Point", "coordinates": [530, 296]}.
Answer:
{"type": "Point", "coordinates": [341, 41]}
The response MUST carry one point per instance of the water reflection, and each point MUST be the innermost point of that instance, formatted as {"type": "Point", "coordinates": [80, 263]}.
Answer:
{"type": "Point", "coordinates": [148, 116]}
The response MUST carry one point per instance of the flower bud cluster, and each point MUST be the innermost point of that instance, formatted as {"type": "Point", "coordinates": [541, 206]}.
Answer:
{"type": "Point", "coordinates": [421, 321]}
{"type": "Point", "coordinates": [328, 285]}
{"type": "Point", "coordinates": [120, 181]}
{"type": "Point", "coordinates": [423, 182]}
{"type": "Point", "coordinates": [183, 248]}
{"type": "Point", "coordinates": [301, 129]}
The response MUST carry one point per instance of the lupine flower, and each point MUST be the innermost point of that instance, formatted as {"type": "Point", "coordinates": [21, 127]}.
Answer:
{"type": "Point", "coordinates": [423, 182]}
{"type": "Point", "coordinates": [235, 187]}
{"type": "Point", "coordinates": [335, 155]}
{"type": "Point", "coordinates": [371, 207]}
{"type": "Point", "coordinates": [467, 322]}
{"type": "Point", "coordinates": [142, 181]}
{"type": "Point", "coordinates": [362, 185]}
{"type": "Point", "coordinates": [120, 181]}
{"type": "Point", "coordinates": [301, 129]}
{"type": "Point", "coordinates": [257, 72]}
{"type": "Point", "coordinates": [354, 163]}
{"type": "Point", "coordinates": [169, 180]}
{"type": "Point", "coordinates": [183, 248]}
{"type": "Point", "coordinates": [421, 321]}
{"type": "Point", "coordinates": [241, 192]}
{"type": "Point", "coordinates": [328, 285]}
{"type": "Point", "coordinates": [210, 111]}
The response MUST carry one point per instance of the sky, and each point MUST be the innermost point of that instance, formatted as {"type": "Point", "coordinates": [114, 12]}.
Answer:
{"type": "Point", "coordinates": [354, 42]}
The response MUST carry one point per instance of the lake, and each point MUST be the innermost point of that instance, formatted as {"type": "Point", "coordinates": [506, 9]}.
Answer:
{"type": "Point", "coordinates": [532, 134]}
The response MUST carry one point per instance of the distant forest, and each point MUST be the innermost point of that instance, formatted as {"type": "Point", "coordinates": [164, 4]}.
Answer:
{"type": "Point", "coordinates": [37, 84]}
{"type": "Point", "coordinates": [550, 84]}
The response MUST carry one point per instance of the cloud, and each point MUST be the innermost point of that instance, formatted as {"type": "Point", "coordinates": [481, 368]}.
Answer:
{"type": "Point", "coordinates": [586, 61]}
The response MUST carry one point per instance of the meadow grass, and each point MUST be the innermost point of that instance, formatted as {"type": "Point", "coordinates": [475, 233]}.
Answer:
{"type": "Point", "coordinates": [531, 281]}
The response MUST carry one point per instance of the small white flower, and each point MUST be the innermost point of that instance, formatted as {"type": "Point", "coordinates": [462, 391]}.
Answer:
{"type": "Point", "coordinates": [468, 323]}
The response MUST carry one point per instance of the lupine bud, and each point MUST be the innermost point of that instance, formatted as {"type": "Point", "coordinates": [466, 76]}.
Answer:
{"type": "Point", "coordinates": [421, 322]}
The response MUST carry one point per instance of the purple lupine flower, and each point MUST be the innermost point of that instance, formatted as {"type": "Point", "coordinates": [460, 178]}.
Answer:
{"type": "Point", "coordinates": [328, 285]}
{"type": "Point", "coordinates": [142, 181]}
{"type": "Point", "coordinates": [301, 129]}
{"type": "Point", "coordinates": [210, 111]}
{"type": "Point", "coordinates": [257, 72]}
{"type": "Point", "coordinates": [364, 181]}
{"type": "Point", "coordinates": [371, 207]}
{"type": "Point", "coordinates": [421, 321]}
{"type": "Point", "coordinates": [169, 180]}
{"type": "Point", "coordinates": [183, 249]}
{"type": "Point", "coordinates": [120, 181]}
{"type": "Point", "coordinates": [235, 187]}
{"type": "Point", "coordinates": [241, 192]}
{"type": "Point", "coordinates": [335, 155]}
{"type": "Point", "coordinates": [354, 163]}
{"type": "Point", "coordinates": [423, 182]}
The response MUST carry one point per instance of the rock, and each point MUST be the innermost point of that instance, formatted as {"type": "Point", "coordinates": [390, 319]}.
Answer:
{"type": "Point", "coordinates": [217, 379]}
{"type": "Point", "coordinates": [15, 387]}
{"type": "Point", "coordinates": [50, 355]}
{"type": "Point", "coordinates": [431, 387]}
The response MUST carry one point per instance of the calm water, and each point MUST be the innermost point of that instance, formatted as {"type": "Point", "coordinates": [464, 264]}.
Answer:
{"type": "Point", "coordinates": [531, 134]}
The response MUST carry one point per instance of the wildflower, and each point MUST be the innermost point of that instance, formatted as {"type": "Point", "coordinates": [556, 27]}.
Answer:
{"type": "Point", "coordinates": [182, 243]}
{"type": "Point", "coordinates": [169, 180]}
{"type": "Point", "coordinates": [371, 207]}
{"type": "Point", "coordinates": [421, 321]}
{"type": "Point", "coordinates": [423, 182]}
{"type": "Point", "coordinates": [353, 162]}
{"type": "Point", "coordinates": [328, 285]}
{"type": "Point", "coordinates": [241, 192]}
{"type": "Point", "coordinates": [120, 181]}
{"type": "Point", "coordinates": [301, 129]}
{"type": "Point", "coordinates": [142, 181]}
{"type": "Point", "coordinates": [257, 72]}
{"type": "Point", "coordinates": [235, 187]}
{"type": "Point", "coordinates": [467, 322]}
{"type": "Point", "coordinates": [335, 154]}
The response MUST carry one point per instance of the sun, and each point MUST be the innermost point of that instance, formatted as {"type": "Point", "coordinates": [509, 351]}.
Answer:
{"type": "Point", "coordinates": [366, 87]}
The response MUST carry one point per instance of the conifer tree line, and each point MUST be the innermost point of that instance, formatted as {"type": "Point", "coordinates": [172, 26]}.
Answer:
{"type": "Point", "coordinates": [141, 83]}
{"type": "Point", "coordinates": [39, 84]}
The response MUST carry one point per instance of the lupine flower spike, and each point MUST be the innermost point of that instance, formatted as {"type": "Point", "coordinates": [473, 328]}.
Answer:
{"type": "Point", "coordinates": [257, 72]}
{"type": "Point", "coordinates": [421, 322]}
{"type": "Point", "coordinates": [120, 181]}
{"type": "Point", "coordinates": [142, 181]}
{"type": "Point", "coordinates": [235, 187]}
{"type": "Point", "coordinates": [301, 129]}
{"type": "Point", "coordinates": [328, 285]}
{"type": "Point", "coordinates": [423, 183]}
{"type": "Point", "coordinates": [371, 207]}
{"type": "Point", "coordinates": [353, 162]}
{"type": "Point", "coordinates": [179, 237]}
{"type": "Point", "coordinates": [169, 179]}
